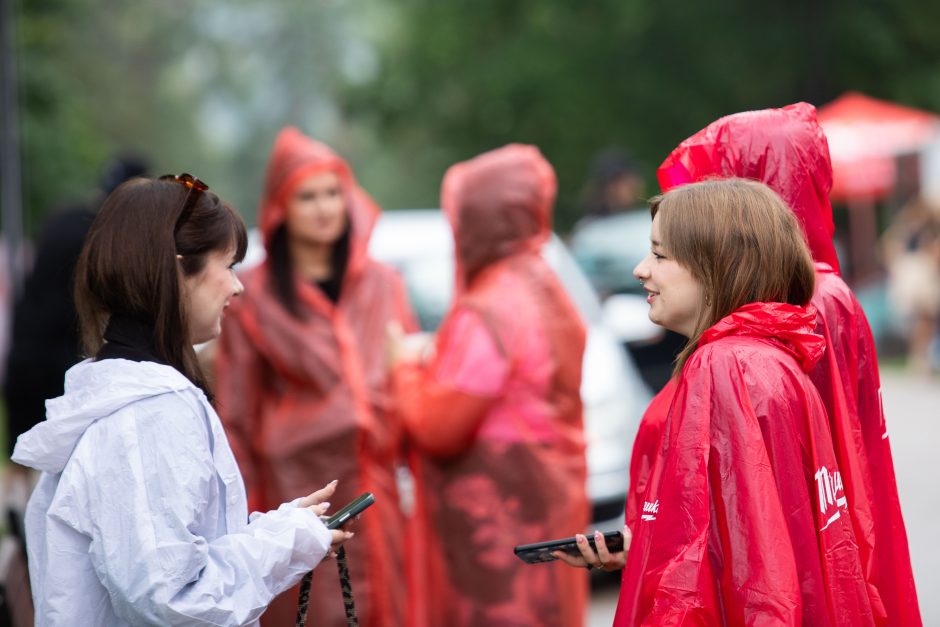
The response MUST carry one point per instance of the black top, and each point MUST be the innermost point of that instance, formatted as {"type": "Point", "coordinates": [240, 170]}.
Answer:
{"type": "Point", "coordinates": [131, 339]}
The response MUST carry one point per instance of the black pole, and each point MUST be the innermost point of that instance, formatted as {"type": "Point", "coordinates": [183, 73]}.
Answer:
{"type": "Point", "coordinates": [11, 196]}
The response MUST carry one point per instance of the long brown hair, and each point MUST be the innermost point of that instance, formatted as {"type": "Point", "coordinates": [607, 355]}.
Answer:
{"type": "Point", "coordinates": [740, 242]}
{"type": "Point", "coordinates": [129, 266]}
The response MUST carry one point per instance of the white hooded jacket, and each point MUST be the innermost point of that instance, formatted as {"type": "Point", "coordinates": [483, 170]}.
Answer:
{"type": "Point", "coordinates": [140, 516]}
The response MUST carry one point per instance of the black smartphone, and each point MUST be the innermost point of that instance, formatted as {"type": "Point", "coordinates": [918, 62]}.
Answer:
{"type": "Point", "coordinates": [350, 511]}
{"type": "Point", "coordinates": [539, 552]}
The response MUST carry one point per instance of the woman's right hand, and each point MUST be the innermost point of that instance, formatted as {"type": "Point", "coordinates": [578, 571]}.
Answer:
{"type": "Point", "coordinates": [317, 503]}
{"type": "Point", "coordinates": [602, 559]}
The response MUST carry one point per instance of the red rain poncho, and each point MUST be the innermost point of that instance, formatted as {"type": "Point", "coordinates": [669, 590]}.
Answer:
{"type": "Point", "coordinates": [496, 416]}
{"type": "Point", "coordinates": [787, 150]}
{"type": "Point", "coordinates": [646, 449]}
{"type": "Point", "coordinates": [305, 401]}
{"type": "Point", "coordinates": [744, 521]}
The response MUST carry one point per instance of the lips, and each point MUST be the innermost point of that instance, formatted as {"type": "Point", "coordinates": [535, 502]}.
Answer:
{"type": "Point", "coordinates": [650, 295]}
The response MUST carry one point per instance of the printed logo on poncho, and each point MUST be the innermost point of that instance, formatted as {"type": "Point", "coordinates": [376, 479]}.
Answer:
{"type": "Point", "coordinates": [831, 495]}
{"type": "Point", "coordinates": [650, 510]}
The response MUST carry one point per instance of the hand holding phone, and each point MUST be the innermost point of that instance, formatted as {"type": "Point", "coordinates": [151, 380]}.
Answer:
{"type": "Point", "coordinates": [601, 551]}
{"type": "Point", "coordinates": [349, 511]}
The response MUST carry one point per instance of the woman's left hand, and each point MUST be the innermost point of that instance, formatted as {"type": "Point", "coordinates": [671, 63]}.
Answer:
{"type": "Point", "coordinates": [602, 559]}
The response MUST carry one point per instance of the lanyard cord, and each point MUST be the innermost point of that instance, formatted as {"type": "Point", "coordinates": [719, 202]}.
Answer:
{"type": "Point", "coordinates": [345, 585]}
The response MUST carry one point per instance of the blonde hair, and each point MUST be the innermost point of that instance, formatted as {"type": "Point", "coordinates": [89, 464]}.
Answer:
{"type": "Point", "coordinates": [740, 242]}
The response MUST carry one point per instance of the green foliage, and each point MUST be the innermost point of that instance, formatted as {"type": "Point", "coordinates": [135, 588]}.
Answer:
{"type": "Point", "coordinates": [405, 89]}
{"type": "Point", "coordinates": [575, 77]}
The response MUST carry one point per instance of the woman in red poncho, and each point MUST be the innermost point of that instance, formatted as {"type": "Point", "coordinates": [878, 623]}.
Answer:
{"type": "Point", "coordinates": [495, 416]}
{"type": "Point", "coordinates": [786, 149]}
{"type": "Point", "coordinates": [744, 520]}
{"type": "Point", "coordinates": [301, 377]}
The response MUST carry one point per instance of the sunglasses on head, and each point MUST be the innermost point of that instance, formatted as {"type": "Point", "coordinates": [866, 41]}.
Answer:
{"type": "Point", "coordinates": [192, 184]}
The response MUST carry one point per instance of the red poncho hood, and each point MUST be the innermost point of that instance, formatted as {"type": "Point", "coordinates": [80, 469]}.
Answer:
{"type": "Point", "coordinates": [499, 204]}
{"type": "Point", "coordinates": [295, 157]}
{"type": "Point", "coordinates": [784, 148]}
{"type": "Point", "coordinates": [793, 328]}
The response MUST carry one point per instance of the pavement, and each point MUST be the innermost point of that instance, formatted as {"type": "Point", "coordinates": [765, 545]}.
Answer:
{"type": "Point", "coordinates": [912, 412]}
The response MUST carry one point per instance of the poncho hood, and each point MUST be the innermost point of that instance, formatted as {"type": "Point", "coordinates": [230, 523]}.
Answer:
{"type": "Point", "coordinates": [294, 158]}
{"type": "Point", "coordinates": [499, 204]}
{"type": "Point", "coordinates": [791, 325]}
{"type": "Point", "coordinates": [785, 149]}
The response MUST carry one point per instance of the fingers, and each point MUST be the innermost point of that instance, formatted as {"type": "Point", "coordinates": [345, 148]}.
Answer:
{"type": "Point", "coordinates": [590, 557]}
{"type": "Point", "coordinates": [602, 558]}
{"type": "Point", "coordinates": [602, 553]}
{"type": "Point", "coordinates": [575, 561]}
{"type": "Point", "coordinates": [319, 497]}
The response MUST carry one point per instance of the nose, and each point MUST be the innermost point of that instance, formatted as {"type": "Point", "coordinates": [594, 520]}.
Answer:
{"type": "Point", "coordinates": [641, 271]}
{"type": "Point", "coordinates": [237, 286]}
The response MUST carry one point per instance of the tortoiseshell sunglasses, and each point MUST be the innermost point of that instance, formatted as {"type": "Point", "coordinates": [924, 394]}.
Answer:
{"type": "Point", "coordinates": [192, 184]}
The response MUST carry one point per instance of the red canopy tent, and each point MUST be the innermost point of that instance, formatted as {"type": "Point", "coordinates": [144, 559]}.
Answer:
{"type": "Point", "coordinates": [866, 136]}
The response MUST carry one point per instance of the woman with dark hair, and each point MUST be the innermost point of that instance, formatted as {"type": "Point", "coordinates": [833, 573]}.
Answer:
{"type": "Point", "coordinates": [140, 514]}
{"type": "Point", "coordinates": [495, 416]}
{"type": "Point", "coordinates": [744, 519]}
{"type": "Point", "coordinates": [301, 374]}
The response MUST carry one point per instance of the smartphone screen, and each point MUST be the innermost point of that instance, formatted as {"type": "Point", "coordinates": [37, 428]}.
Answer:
{"type": "Point", "coordinates": [350, 511]}
{"type": "Point", "coordinates": [539, 552]}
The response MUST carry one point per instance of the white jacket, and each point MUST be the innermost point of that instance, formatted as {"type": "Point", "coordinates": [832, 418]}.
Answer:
{"type": "Point", "coordinates": [140, 515]}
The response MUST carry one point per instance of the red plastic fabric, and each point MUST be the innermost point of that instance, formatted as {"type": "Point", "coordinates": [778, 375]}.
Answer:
{"type": "Point", "coordinates": [782, 148]}
{"type": "Point", "coordinates": [744, 521]}
{"type": "Point", "coordinates": [495, 418]}
{"type": "Point", "coordinates": [307, 401]}
{"type": "Point", "coordinates": [786, 149]}
{"type": "Point", "coordinates": [646, 450]}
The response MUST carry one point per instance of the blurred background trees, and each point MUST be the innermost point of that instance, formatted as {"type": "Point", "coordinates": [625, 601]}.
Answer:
{"type": "Point", "coordinates": [405, 89]}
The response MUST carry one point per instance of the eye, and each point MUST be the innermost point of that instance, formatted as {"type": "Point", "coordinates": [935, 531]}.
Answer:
{"type": "Point", "coordinates": [658, 256]}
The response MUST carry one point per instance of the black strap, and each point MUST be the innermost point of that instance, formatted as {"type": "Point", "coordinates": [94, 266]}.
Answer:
{"type": "Point", "coordinates": [345, 585]}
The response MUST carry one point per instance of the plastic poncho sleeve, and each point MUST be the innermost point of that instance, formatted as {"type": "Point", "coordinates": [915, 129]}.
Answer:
{"type": "Point", "coordinates": [238, 371]}
{"type": "Point", "coordinates": [141, 513]}
{"type": "Point", "coordinates": [442, 403]}
{"type": "Point", "coordinates": [720, 519]}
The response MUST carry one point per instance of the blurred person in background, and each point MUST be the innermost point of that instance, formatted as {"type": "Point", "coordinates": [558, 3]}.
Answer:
{"type": "Point", "coordinates": [494, 416]}
{"type": "Point", "coordinates": [301, 375]}
{"type": "Point", "coordinates": [140, 515]}
{"type": "Point", "coordinates": [744, 520]}
{"type": "Point", "coordinates": [615, 185]}
{"type": "Point", "coordinates": [787, 150]}
{"type": "Point", "coordinates": [45, 339]}
{"type": "Point", "coordinates": [912, 254]}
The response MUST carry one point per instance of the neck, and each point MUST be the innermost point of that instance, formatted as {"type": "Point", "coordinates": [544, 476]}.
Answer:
{"type": "Point", "coordinates": [312, 262]}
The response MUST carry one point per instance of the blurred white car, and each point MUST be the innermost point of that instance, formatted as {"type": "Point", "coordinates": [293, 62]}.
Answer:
{"type": "Point", "coordinates": [419, 244]}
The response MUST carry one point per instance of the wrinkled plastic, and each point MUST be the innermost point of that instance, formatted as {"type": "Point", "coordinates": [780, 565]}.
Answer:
{"type": "Point", "coordinates": [744, 521]}
{"type": "Point", "coordinates": [306, 401]}
{"type": "Point", "coordinates": [646, 449]}
{"type": "Point", "coordinates": [496, 418]}
{"type": "Point", "coordinates": [140, 514]}
{"type": "Point", "coordinates": [787, 149]}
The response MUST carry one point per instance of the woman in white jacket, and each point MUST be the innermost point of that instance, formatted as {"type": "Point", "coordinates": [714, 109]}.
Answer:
{"type": "Point", "coordinates": [140, 515]}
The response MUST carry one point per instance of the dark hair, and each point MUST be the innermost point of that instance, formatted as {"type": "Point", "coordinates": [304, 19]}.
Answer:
{"type": "Point", "coordinates": [740, 241]}
{"type": "Point", "coordinates": [282, 267]}
{"type": "Point", "coordinates": [129, 268]}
